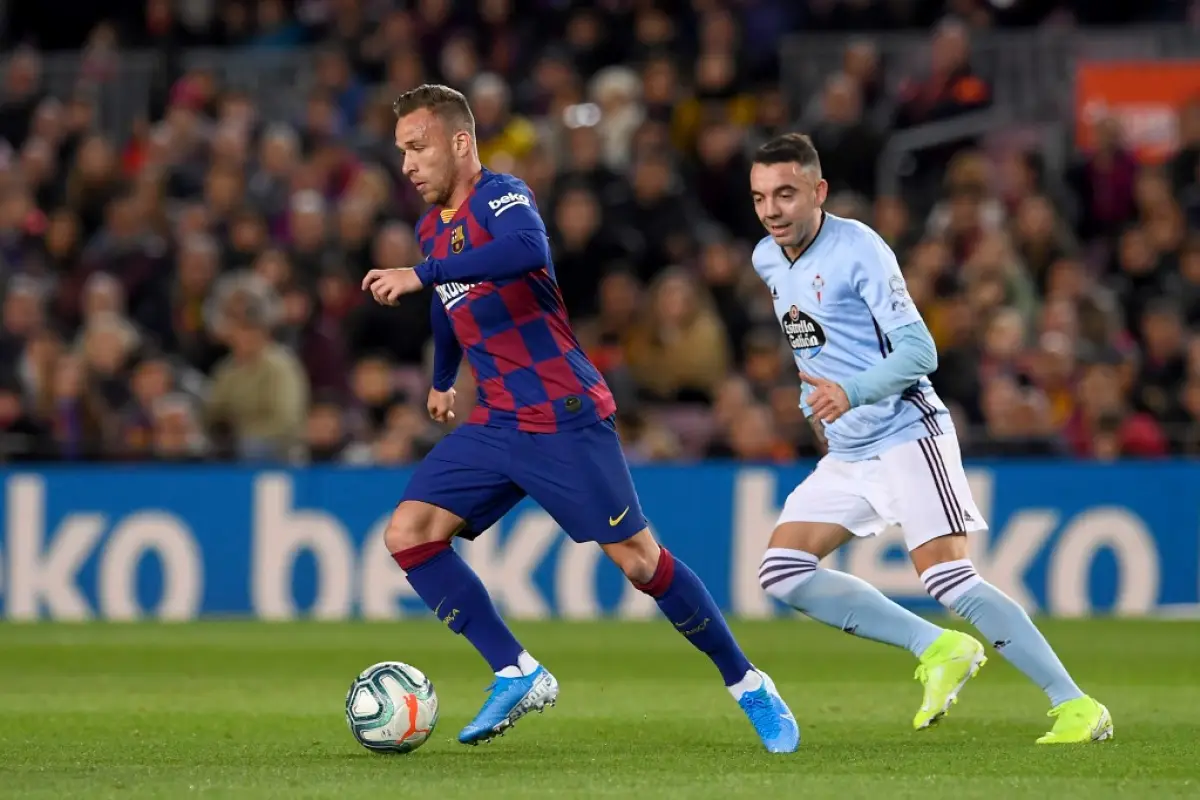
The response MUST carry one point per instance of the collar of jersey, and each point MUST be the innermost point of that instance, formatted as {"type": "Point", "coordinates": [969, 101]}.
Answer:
{"type": "Point", "coordinates": [447, 215]}
{"type": "Point", "coordinates": [807, 247]}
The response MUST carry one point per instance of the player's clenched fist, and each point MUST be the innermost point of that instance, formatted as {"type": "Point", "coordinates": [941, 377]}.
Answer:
{"type": "Point", "coordinates": [387, 286]}
{"type": "Point", "coordinates": [828, 401]}
{"type": "Point", "coordinates": [441, 405]}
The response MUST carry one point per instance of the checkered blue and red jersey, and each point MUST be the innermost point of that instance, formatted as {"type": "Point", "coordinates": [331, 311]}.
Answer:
{"type": "Point", "coordinates": [496, 300]}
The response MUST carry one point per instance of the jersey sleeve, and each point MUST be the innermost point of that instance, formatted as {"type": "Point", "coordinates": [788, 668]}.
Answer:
{"type": "Point", "coordinates": [913, 356]}
{"type": "Point", "coordinates": [447, 352]}
{"type": "Point", "coordinates": [877, 279]}
{"type": "Point", "coordinates": [506, 207]}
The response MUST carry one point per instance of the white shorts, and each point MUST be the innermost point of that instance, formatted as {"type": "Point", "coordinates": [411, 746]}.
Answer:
{"type": "Point", "coordinates": [919, 485]}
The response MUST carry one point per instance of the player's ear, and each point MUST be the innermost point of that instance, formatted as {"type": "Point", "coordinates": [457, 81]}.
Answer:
{"type": "Point", "coordinates": [822, 188]}
{"type": "Point", "coordinates": [462, 144]}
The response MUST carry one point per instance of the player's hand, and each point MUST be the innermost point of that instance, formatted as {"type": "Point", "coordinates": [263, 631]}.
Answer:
{"type": "Point", "coordinates": [441, 405]}
{"type": "Point", "coordinates": [387, 286]}
{"type": "Point", "coordinates": [828, 401]}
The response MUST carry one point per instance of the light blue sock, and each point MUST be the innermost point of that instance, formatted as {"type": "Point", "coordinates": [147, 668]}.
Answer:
{"type": "Point", "coordinates": [1005, 624]}
{"type": "Point", "coordinates": [843, 601]}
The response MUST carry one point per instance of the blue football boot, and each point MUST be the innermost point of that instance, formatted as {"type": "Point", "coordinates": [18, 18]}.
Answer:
{"type": "Point", "coordinates": [772, 719]}
{"type": "Point", "coordinates": [508, 701]}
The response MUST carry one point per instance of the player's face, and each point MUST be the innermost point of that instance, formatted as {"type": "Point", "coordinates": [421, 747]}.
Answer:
{"type": "Point", "coordinates": [429, 154]}
{"type": "Point", "coordinates": [786, 198]}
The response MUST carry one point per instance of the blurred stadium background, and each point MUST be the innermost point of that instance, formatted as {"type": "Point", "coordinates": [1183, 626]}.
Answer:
{"type": "Point", "coordinates": [201, 415]}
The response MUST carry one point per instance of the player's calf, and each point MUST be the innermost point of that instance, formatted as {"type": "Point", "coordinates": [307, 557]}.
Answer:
{"type": "Point", "coordinates": [685, 601]}
{"type": "Point", "coordinates": [794, 576]}
{"type": "Point", "coordinates": [948, 659]}
{"type": "Point", "coordinates": [418, 537]}
{"type": "Point", "coordinates": [951, 579]}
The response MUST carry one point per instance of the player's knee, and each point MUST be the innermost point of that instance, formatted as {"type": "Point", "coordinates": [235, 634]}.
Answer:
{"type": "Point", "coordinates": [637, 557]}
{"type": "Point", "coordinates": [401, 534]}
{"type": "Point", "coordinates": [411, 525]}
{"type": "Point", "coordinates": [784, 570]}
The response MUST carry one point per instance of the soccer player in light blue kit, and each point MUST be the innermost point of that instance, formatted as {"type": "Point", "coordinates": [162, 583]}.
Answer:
{"type": "Point", "coordinates": [892, 453]}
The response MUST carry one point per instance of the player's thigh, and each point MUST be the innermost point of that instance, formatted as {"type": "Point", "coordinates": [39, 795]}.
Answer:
{"type": "Point", "coordinates": [581, 478]}
{"type": "Point", "coordinates": [818, 538]}
{"type": "Point", "coordinates": [942, 550]}
{"type": "Point", "coordinates": [828, 508]}
{"type": "Point", "coordinates": [466, 475]}
{"type": "Point", "coordinates": [930, 495]}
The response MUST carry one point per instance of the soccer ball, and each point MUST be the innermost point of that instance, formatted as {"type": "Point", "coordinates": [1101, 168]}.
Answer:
{"type": "Point", "coordinates": [391, 708]}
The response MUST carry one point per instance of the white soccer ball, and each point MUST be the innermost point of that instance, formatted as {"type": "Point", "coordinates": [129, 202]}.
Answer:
{"type": "Point", "coordinates": [391, 708]}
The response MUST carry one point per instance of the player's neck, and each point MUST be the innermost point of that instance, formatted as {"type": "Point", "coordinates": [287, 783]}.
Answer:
{"type": "Point", "coordinates": [814, 228]}
{"type": "Point", "coordinates": [465, 185]}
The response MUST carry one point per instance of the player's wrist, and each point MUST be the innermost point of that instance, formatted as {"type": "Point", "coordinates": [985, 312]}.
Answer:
{"type": "Point", "coordinates": [426, 271]}
{"type": "Point", "coordinates": [853, 396]}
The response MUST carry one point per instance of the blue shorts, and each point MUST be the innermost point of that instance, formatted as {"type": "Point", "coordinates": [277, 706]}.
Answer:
{"type": "Point", "coordinates": [579, 476]}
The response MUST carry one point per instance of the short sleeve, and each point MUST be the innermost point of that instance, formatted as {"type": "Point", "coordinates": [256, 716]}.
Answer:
{"type": "Point", "coordinates": [878, 281]}
{"type": "Point", "coordinates": [505, 207]}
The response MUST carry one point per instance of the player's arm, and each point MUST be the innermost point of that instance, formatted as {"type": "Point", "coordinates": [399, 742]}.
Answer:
{"type": "Point", "coordinates": [447, 352]}
{"type": "Point", "coordinates": [913, 356]}
{"type": "Point", "coordinates": [519, 243]}
{"type": "Point", "coordinates": [911, 353]}
{"type": "Point", "coordinates": [818, 429]}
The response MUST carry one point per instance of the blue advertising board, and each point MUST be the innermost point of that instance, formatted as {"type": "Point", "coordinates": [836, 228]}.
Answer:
{"type": "Point", "coordinates": [143, 542]}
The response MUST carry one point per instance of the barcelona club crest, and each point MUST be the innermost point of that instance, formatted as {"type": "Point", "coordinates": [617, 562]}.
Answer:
{"type": "Point", "coordinates": [458, 239]}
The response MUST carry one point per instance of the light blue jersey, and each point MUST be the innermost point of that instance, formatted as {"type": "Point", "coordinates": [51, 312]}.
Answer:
{"type": "Point", "coordinates": [837, 303]}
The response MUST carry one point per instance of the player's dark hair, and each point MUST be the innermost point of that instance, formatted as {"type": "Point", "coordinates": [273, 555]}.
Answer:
{"type": "Point", "coordinates": [789, 148]}
{"type": "Point", "coordinates": [450, 105]}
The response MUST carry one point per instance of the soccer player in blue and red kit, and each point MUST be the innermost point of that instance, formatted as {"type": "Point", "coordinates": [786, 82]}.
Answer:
{"type": "Point", "coordinates": [543, 426]}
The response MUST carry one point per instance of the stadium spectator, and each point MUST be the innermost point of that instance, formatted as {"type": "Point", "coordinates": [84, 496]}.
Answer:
{"type": "Point", "coordinates": [678, 351]}
{"type": "Point", "coordinates": [504, 137]}
{"type": "Point", "coordinates": [951, 86]}
{"type": "Point", "coordinates": [22, 435]}
{"type": "Point", "coordinates": [1104, 182]}
{"type": "Point", "coordinates": [259, 392]}
{"type": "Point", "coordinates": [22, 95]}
{"type": "Point", "coordinates": [847, 143]}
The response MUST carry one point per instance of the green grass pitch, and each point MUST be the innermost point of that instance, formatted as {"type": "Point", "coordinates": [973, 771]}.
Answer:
{"type": "Point", "coordinates": [251, 710]}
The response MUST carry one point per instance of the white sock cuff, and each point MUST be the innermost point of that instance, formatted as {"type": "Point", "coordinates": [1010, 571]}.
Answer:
{"type": "Point", "coordinates": [752, 681]}
{"type": "Point", "coordinates": [782, 570]}
{"type": "Point", "coordinates": [526, 665]}
{"type": "Point", "coordinates": [948, 581]}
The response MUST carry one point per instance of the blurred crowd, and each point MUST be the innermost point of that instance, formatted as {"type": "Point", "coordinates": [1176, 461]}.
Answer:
{"type": "Point", "coordinates": [191, 293]}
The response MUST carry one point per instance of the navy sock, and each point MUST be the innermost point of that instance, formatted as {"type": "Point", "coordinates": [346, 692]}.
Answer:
{"type": "Point", "coordinates": [693, 612]}
{"type": "Point", "coordinates": [458, 598]}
